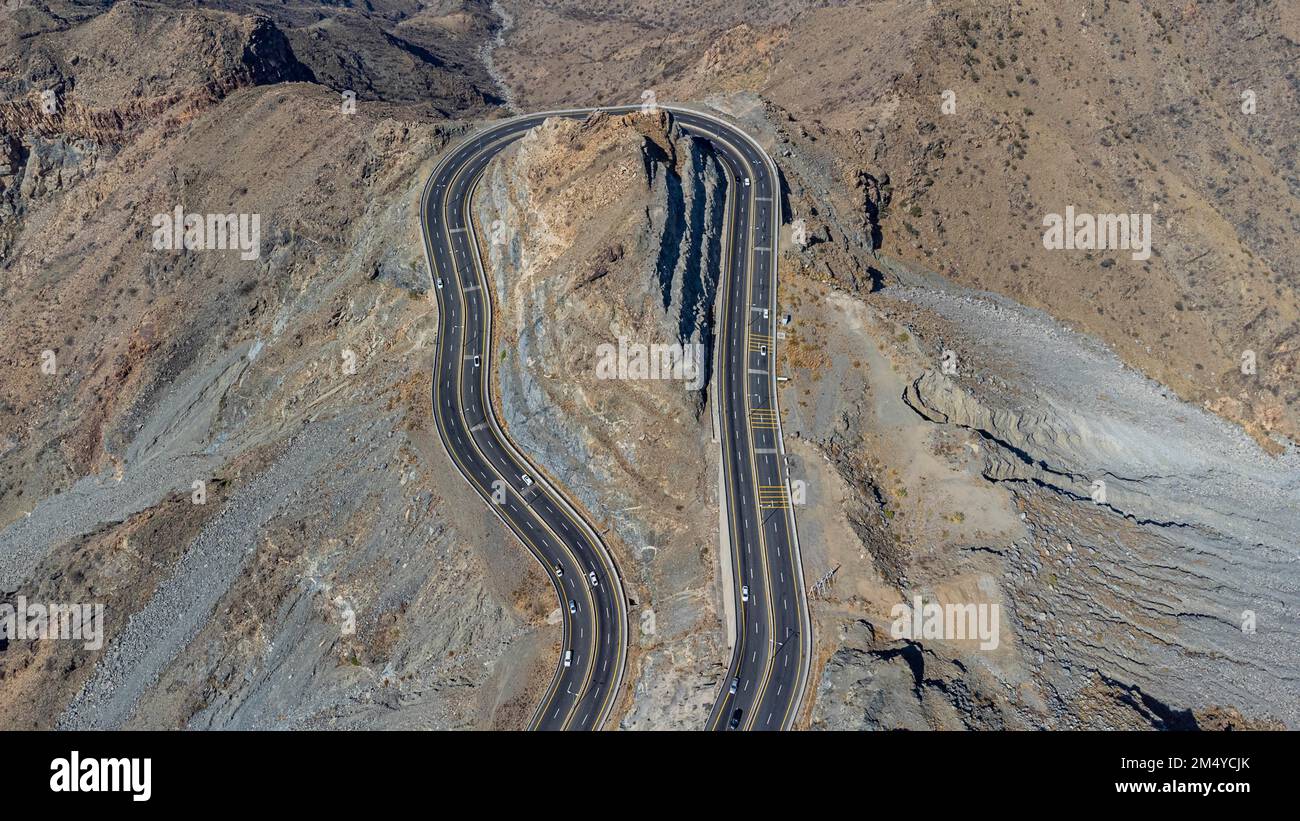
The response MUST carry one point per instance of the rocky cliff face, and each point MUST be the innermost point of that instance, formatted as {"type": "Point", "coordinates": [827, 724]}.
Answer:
{"type": "Point", "coordinates": [600, 239]}
{"type": "Point", "coordinates": [86, 80]}
{"type": "Point", "coordinates": [82, 91]}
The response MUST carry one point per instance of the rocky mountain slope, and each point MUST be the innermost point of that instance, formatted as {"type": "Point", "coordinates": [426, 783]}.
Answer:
{"type": "Point", "coordinates": [1173, 583]}
{"type": "Point", "coordinates": [1157, 602]}
{"type": "Point", "coordinates": [234, 454]}
{"type": "Point", "coordinates": [945, 131]}
{"type": "Point", "coordinates": [923, 144]}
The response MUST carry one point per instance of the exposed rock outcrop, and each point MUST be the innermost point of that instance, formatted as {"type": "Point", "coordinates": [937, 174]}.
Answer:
{"type": "Point", "coordinates": [602, 248]}
{"type": "Point", "coordinates": [1152, 588]}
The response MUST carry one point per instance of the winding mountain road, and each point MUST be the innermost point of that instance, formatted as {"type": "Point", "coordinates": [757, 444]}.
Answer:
{"type": "Point", "coordinates": [772, 652]}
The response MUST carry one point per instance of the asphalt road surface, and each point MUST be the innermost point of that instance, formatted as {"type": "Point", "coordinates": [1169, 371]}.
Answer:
{"type": "Point", "coordinates": [770, 662]}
